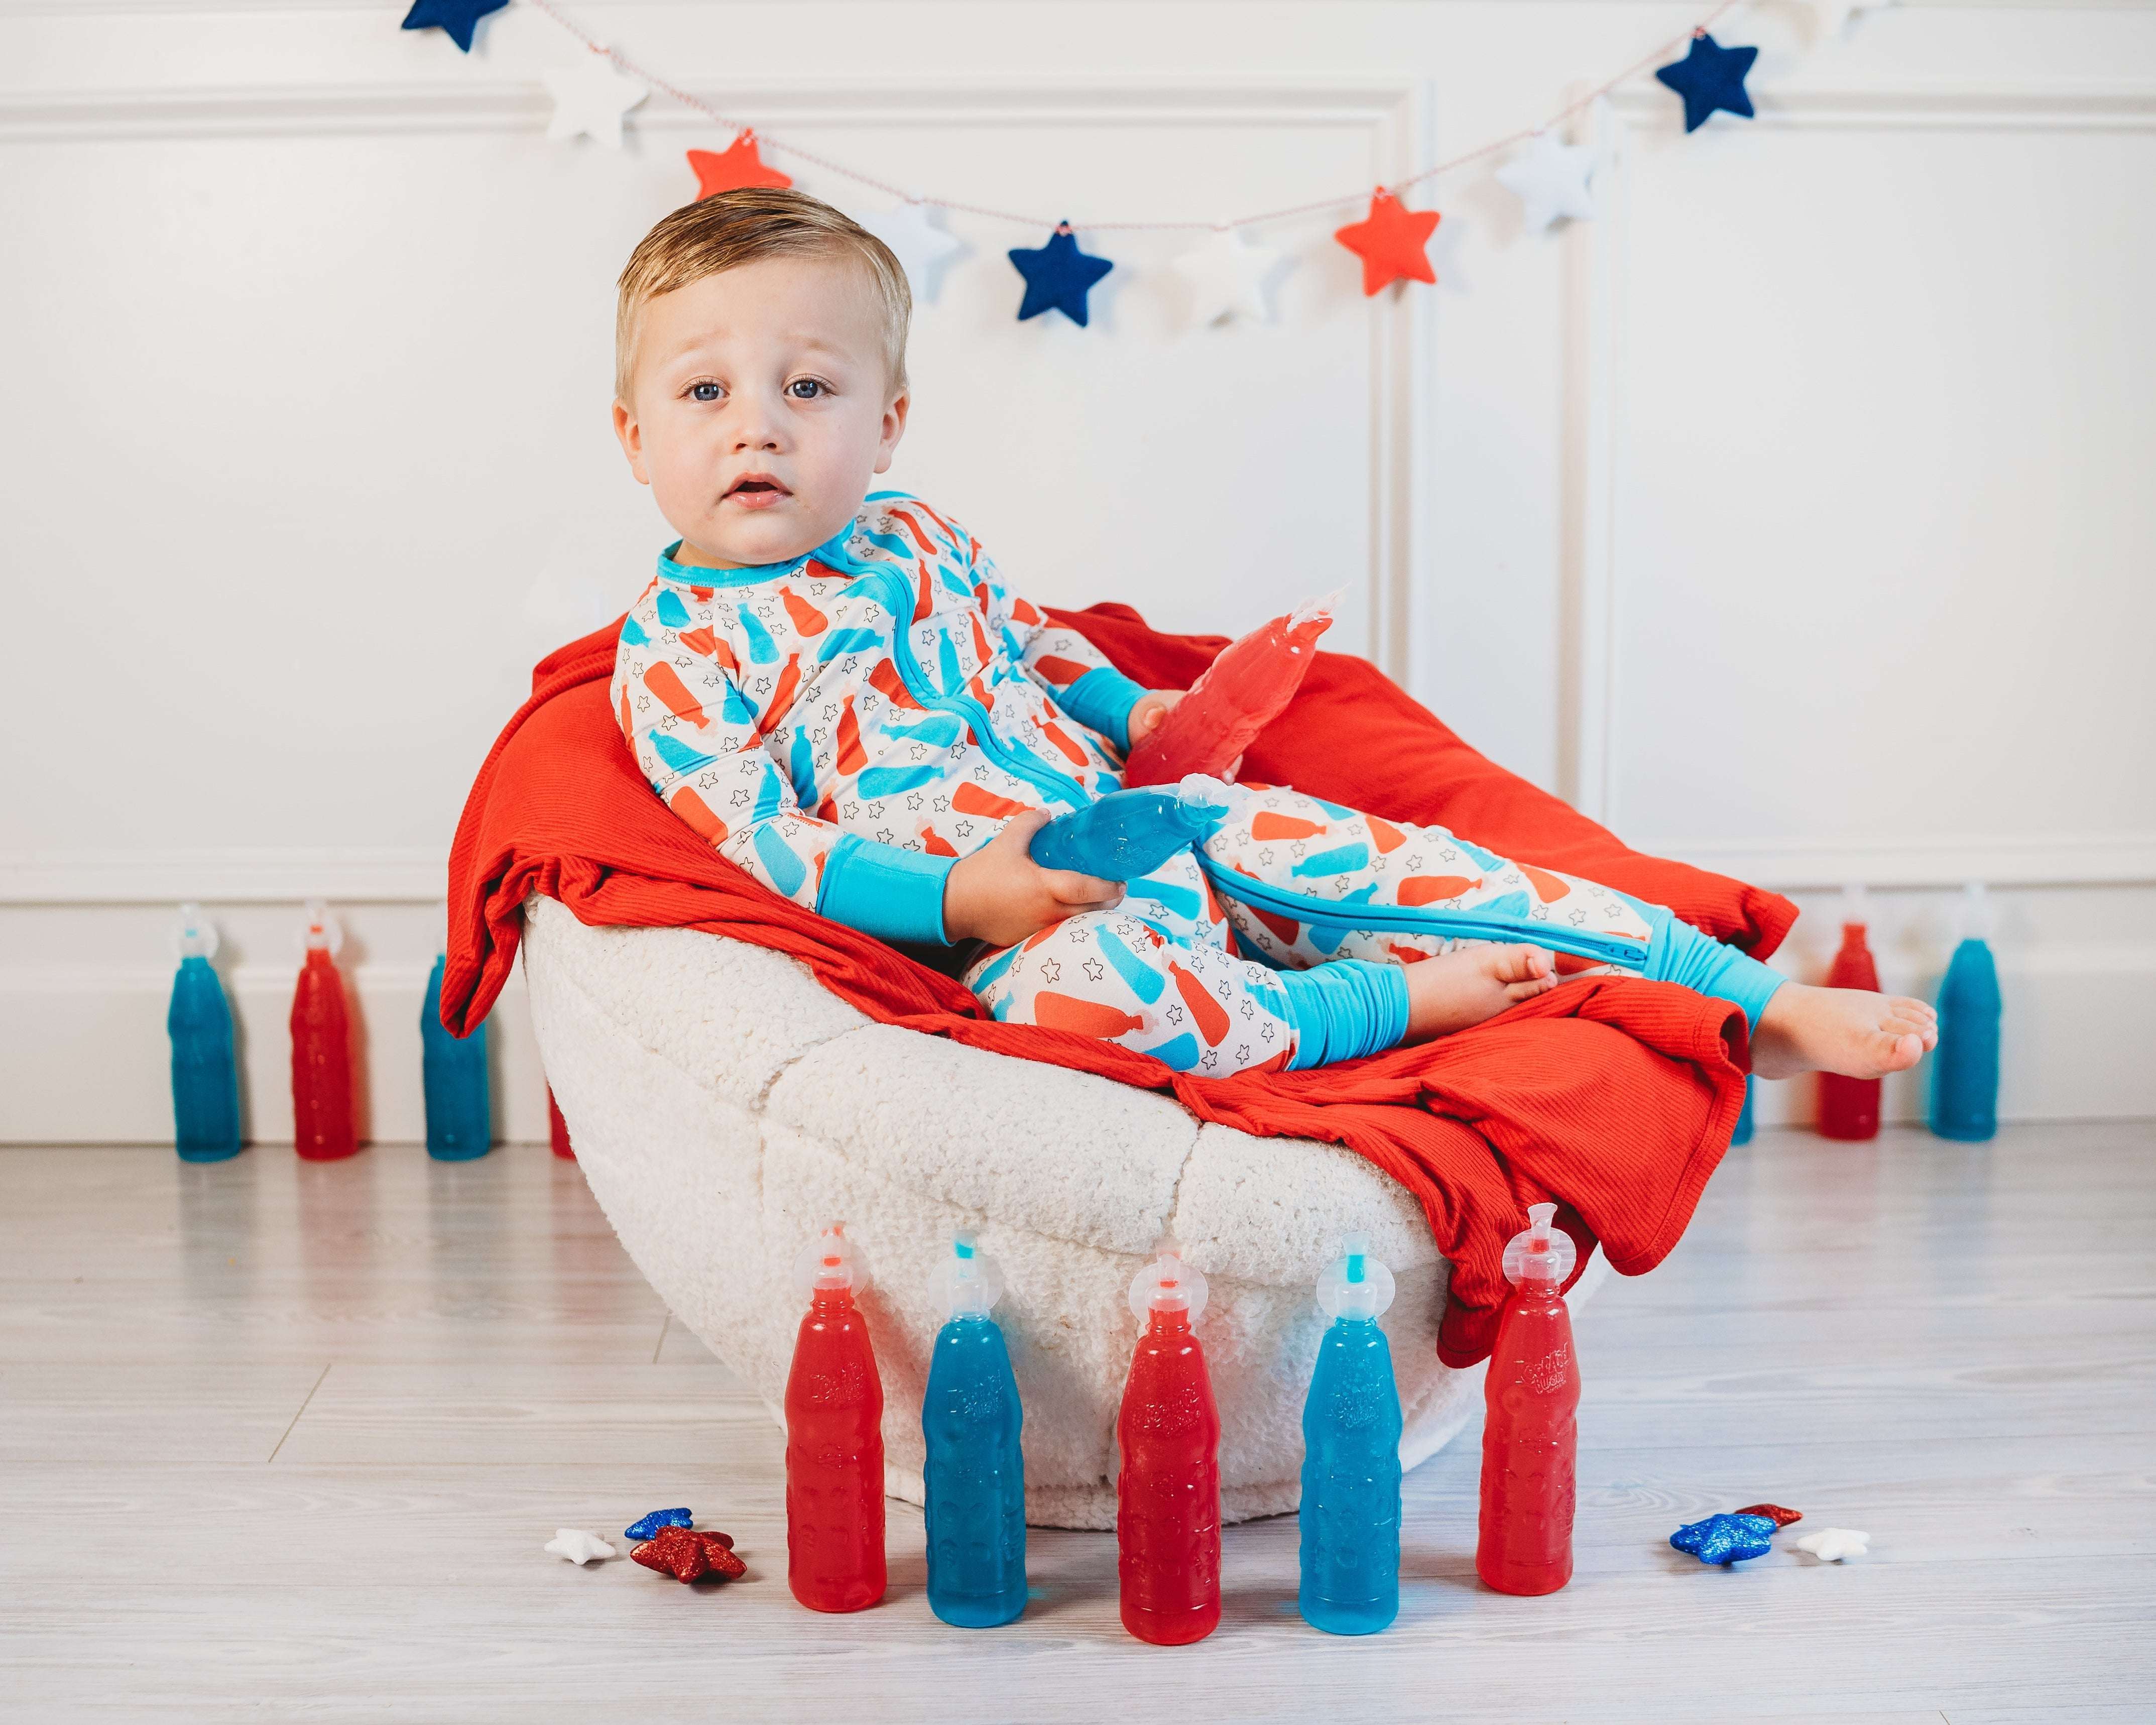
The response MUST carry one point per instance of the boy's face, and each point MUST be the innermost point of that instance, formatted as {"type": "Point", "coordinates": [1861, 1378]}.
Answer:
{"type": "Point", "coordinates": [760, 407]}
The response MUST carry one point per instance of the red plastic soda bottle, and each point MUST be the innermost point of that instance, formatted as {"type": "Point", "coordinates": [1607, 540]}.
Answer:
{"type": "Point", "coordinates": [1242, 692]}
{"type": "Point", "coordinates": [322, 1129]}
{"type": "Point", "coordinates": [833, 1437]}
{"type": "Point", "coordinates": [1530, 1431]}
{"type": "Point", "coordinates": [1168, 1494]}
{"type": "Point", "coordinates": [1848, 1107]}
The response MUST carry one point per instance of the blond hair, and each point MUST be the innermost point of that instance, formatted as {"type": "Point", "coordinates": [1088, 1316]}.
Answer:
{"type": "Point", "coordinates": [730, 229]}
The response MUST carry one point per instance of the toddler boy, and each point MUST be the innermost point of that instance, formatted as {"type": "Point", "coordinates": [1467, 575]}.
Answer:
{"type": "Point", "coordinates": [839, 692]}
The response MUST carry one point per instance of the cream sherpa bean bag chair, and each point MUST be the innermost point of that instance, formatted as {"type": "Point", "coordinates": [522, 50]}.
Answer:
{"type": "Point", "coordinates": [725, 1107]}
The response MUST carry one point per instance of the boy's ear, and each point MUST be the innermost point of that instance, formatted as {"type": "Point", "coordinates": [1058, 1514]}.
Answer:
{"type": "Point", "coordinates": [893, 428]}
{"type": "Point", "coordinates": [631, 434]}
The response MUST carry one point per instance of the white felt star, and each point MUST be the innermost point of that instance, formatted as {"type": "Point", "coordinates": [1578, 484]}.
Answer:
{"type": "Point", "coordinates": [1830, 1545]}
{"type": "Point", "coordinates": [1550, 179]}
{"type": "Point", "coordinates": [921, 246]}
{"type": "Point", "coordinates": [577, 1546]}
{"type": "Point", "coordinates": [1834, 15]}
{"type": "Point", "coordinates": [1224, 272]}
{"type": "Point", "coordinates": [590, 97]}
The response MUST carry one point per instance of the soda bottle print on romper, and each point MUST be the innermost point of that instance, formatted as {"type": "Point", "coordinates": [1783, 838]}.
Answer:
{"type": "Point", "coordinates": [974, 1504]}
{"type": "Point", "coordinates": [1168, 1493]}
{"type": "Point", "coordinates": [1530, 1431]}
{"type": "Point", "coordinates": [834, 1557]}
{"type": "Point", "coordinates": [1350, 1520]}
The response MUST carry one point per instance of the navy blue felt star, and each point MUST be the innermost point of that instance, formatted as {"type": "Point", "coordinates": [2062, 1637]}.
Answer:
{"type": "Point", "coordinates": [1710, 77]}
{"type": "Point", "coordinates": [1726, 1539]}
{"type": "Point", "coordinates": [459, 17]}
{"type": "Point", "coordinates": [1057, 276]}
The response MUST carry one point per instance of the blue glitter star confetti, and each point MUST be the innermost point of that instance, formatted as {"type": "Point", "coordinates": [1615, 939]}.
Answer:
{"type": "Point", "coordinates": [1058, 276]}
{"type": "Point", "coordinates": [1711, 77]}
{"type": "Point", "coordinates": [649, 1527]}
{"type": "Point", "coordinates": [1726, 1539]}
{"type": "Point", "coordinates": [459, 17]}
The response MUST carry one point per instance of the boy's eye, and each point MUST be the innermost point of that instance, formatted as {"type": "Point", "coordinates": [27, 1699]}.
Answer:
{"type": "Point", "coordinates": [804, 389]}
{"type": "Point", "coordinates": [705, 392]}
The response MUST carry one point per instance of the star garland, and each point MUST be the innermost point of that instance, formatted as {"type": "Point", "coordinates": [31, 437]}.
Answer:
{"type": "Point", "coordinates": [1223, 273]}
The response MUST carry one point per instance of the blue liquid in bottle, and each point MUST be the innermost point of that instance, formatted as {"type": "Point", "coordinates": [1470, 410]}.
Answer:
{"type": "Point", "coordinates": [460, 1120]}
{"type": "Point", "coordinates": [1965, 1066]}
{"type": "Point", "coordinates": [1351, 1463]}
{"type": "Point", "coordinates": [205, 1076]}
{"type": "Point", "coordinates": [975, 1502]}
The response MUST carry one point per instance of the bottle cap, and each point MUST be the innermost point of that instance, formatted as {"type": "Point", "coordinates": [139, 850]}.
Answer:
{"type": "Point", "coordinates": [969, 1283]}
{"type": "Point", "coordinates": [1355, 1284]}
{"type": "Point", "coordinates": [1975, 913]}
{"type": "Point", "coordinates": [830, 1262]}
{"type": "Point", "coordinates": [195, 935]}
{"type": "Point", "coordinates": [1856, 906]}
{"type": "Point", "coordinates": [1167, 1284]}
{"type": "Point", "coordinates": [1543, 1255]}
{"type": "Point", "coordinates": [323, 933]}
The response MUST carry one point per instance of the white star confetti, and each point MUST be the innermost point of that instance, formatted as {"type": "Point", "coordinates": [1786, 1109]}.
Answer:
{"type": "Point", "coordinates": [578, 1546]}
{"type": "Point", "coordinates": [1830, 1545]}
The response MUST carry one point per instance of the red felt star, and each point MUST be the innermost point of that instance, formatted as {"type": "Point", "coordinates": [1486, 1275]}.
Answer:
{"type": "Point", "coordinates": [1390, 243]}
{"type": "Point", "coordinates": [736, 166]}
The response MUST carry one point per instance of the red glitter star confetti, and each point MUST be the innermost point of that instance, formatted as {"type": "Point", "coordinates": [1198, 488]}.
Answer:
{"type": "Point", "coordinates": [1390, 242]}
{"type": "Point", "coordinates": [736, 166]}
{"type": "Point", "coordinates": [687, 1553]}
{"type": "Point", "coordinates": [1774, 1512]}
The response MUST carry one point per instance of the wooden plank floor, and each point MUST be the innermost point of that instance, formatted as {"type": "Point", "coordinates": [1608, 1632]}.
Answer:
{"type": "Point", "coordinates": [282, 1441]}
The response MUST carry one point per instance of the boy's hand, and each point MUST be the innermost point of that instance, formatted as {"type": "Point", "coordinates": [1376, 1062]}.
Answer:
{"type": "Point", "coordinates": [1150, 709]}
{"type": "Point", "coordinates": [1000, 895]}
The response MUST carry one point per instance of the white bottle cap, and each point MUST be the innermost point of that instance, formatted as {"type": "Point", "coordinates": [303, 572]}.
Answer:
{"type": "Point", "coordinates": [1542, 1253]}
{"type": "Point", "coordinates": [1975, 913]}
{"type": "Point", "coordinates": [323, 932]}
{"type": "Point", "coordinates": [195, 935]}
{"type": "Point", "coordinates": [1355, 1284]}
{"type": "Point", "coordinates": [1167, 1284]}
{"type": "Point", "coordinates": [969, 1283]}
{"type": "Point", "coordinates": [831, 1261]}
{"type": "Point", "coordinates": [1855, 904]}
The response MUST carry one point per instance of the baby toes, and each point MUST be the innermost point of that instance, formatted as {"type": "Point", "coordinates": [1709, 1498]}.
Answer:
{"type": "Point", "coordinates": [1522, 964]}
{"type": "Point", "coordinates": [1515, 993]}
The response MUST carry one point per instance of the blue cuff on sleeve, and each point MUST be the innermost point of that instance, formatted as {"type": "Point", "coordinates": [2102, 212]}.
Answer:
{"type": "Point", "coordinates": [1344, 1011]}
{"type": "Point", "coordinates": [1101, 700]}
{"type": "Point", "coordinates": [892, 894]}
{"type": "Point", "coordinates": [1680, 953]}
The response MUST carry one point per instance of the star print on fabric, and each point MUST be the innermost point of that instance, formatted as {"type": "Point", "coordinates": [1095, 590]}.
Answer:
{"type": "Point", "coordinates": [918, 752]}
{"type": "Point", "coordinates": [763, 686]}
{"type": "Point", "coordinates": [964, 829]}
{"type": "Point", "coordinates": [875, 811]}
{"type": "Point", "coordinates": [457, 19]}
{"type": "Point", "coordinates": [1175, 1014]}
{"type": "Point", "coordinates": [1550, 179]}
{"type": "Point", "coordinates": [1711, 77]}
{"type": "Point", "coordinates": [1050, 971]}
{"type": "Point", "coordinates": [1058, 276]}
{"type": "Point", "coordinates": [943, 807]}
{"type": "Point", "coordinates": [1209, 1058]}
{"type": "Point", "coordinates": [980, 775]}
{"type": "Point", "coordinates": [1248, 1009]}
{"type": "Point", "coordinates": [1265, 856]}
{"type": "Point", "coordinates": [1265, 1030]}
{"type": "Point", "coordinates": [1392, 242]}
{"type": "Point", "coordinates": [736, 166]}
{"type": "Point", "coordinates": [590, 97]}
{"type": "Point", "coordinates": [914, 800]}
{"type": "Point", "coordinates": [1242, 1050]}
{"type": "Point", "coordinates": [739, 799]}
{"type": "Point", "coordinates": [643, 703]}
{"type": "Point", "coordinates": [1297, 848]}
{"type": "Point", "coordinates": [884, 837]}
{"type": "Point", "coordinates": [1094, 970]}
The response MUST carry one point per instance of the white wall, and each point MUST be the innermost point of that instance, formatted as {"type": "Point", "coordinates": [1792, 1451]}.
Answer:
{"type": "Point", "coordinates": [1790, 517]}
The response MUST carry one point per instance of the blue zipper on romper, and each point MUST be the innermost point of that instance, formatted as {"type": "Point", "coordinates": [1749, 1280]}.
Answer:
{"type": "Point", "coordinates": [1045, 779]}
{"type": "Point", "coordinates": [1393, 919]}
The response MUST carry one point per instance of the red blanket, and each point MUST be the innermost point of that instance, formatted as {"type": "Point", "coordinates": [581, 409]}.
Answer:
{"type": "Point", "coordinates": [1614, 1098]}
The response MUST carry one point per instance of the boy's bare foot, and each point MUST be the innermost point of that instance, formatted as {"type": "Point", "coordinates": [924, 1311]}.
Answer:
{"type": "Point", "coordinates": [1851, 1031]}
{"type": "Point", "coordinates": [1458, 989]}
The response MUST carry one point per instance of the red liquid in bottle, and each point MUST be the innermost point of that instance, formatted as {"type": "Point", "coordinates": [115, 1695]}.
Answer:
{"type": "Point", "coordinates": [321, 1062]}
{"type": "Point", "coordinates": [1241, 692]}
{"type": "Point", "coordinates": [1167, 1496]}
{"type": "Point", "coordinates": [1530, 1432]}
{"type": "Point", "coordinates": [1848, 1107]}
{"type": "Point", "coordinates": [835, 1558]}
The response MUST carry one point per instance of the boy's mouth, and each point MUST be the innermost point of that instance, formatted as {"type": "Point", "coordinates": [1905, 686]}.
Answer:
{"type": "Point", "coordinates": [755, 490]}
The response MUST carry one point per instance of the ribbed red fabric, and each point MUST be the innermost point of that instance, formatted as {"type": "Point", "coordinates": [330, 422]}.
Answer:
{"type": "Point", "coordinates": [1615, 1098]}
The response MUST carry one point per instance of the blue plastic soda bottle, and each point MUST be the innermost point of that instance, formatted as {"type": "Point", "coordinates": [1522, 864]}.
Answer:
{"type": "Point", "coordinates": [1127, 834]}
{"type": "Point", "coordinates": [1351, 1455]}
{"type": "Point", "coordinates": [1741, 1134]}
{"type": "Point", "coordinates": [1965, 1066]}
{"type": "Point", "coordinates": [205, 1077]}
{"type": "Point", "coordinates": [975, 1502]}
{"type": "Point", "coordinates": [459, 1119]}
